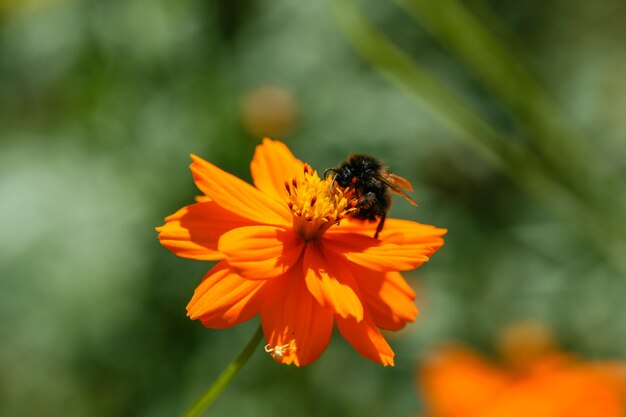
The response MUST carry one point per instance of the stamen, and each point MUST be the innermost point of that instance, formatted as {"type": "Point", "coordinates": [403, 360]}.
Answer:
{"type": "Point", "coordinates": [315, 205]}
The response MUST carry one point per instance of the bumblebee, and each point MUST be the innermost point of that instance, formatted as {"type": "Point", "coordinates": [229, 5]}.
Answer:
{"type": "Point", "coordinates": [372, 185]}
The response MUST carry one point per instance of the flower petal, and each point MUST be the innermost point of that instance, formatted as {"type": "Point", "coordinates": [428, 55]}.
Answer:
{"type": "Point", "coordinates": [238, 196]}
{"type": "Point", "coordinates": [366, 339]}
{"type": "Point", "coordinates": [401, 246]}
{"type": "Point", "coordinates": [388, 297]}
{"type": "Point", "coordinates": [475, 382]}
{"type": "Point", "coordinates": [374, 254]}
{"type": "Point", "coordinates": [398, 230]}
{"type": "Point", "coordinates": [272, 165]}
{"type": "Point", "coordinates": [193, 231]}
{"type": "Point", "coordinates": [261, 252]}
{"type": "Point", "coordinates": [291, 316]}
{"type": "Point", "coordinates": [224, 298]}
{"type": "Point", "coordinates": [331, 283]}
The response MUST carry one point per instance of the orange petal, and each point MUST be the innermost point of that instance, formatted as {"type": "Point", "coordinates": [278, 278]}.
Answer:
{"type": "Point", "coordinates": [389, 298]}
{"type": "Point", "coordinates": [331, 283]}
{"type": "Point", "coordinates": [261, 252]}
{"type": "Point", "coordinates": [473, 380]}
{"type": "Point", "coordinates": [402, 245]}
{"type": "Point", "coordinates": [409, 232]}
{"type": "Point", "coordinates": [366, 339]}
{"type": "Point", "coordinates": [193, 231]}
{"type": "Point", "coordinates": [272, 165]}
{"type": "Point", "coordinates": [395, 230]}
{"type": "Point", "coordinates": [374, 254]}
{"type": "Point", "coordinates": [291, 316]}
{"type": "Point", "coordinates": [224, 298]}
{"type": "Point", "coordinates": [238, 196]}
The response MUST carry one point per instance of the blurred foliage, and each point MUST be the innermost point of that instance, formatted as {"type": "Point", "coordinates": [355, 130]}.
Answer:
{"type": "Point", "coordinates": [102, 101]}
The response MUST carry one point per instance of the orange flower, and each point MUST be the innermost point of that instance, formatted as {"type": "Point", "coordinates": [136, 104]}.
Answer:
{"type": "Point", "coordinates": [287, 250]}
{"type": "Point", "coordinates": [460, 383]}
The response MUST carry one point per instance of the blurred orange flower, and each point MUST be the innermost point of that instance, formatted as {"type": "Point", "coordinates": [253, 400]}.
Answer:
{"type": "Point", "coordinates": [458, 382]}
{"type": "Point", "coordinates": [287, 250]}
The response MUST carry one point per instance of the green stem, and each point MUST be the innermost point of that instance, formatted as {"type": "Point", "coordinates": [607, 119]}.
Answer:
{"type": "Point", "coordinates": [225, 377]}
{"type": "Point", "coordinates": [497, 65]}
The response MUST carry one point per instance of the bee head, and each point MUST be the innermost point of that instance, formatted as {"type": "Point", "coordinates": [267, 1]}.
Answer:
{"type": "Point", "coordinates": [344, 175]}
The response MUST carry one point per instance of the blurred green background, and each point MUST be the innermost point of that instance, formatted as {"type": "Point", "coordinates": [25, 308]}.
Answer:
{"type": "Point", "coordinates": [101, 102]}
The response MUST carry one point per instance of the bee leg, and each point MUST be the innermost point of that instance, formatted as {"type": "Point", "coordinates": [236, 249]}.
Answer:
{"type": "Point", "coordinates": [366, 201]}
{"type": "Point", "coordinates": [381, 223]}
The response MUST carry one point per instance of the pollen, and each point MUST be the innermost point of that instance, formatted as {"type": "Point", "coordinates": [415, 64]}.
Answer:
{"type": "Point", "coordinates": [315, 205]}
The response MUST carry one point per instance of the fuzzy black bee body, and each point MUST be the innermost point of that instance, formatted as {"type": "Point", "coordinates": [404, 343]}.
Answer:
{"type": "Point", "coordinates": [372, 185]}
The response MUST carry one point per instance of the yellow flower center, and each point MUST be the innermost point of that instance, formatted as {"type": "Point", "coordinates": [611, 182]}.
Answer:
{"type": "Point", "coordinates": [316, 205]}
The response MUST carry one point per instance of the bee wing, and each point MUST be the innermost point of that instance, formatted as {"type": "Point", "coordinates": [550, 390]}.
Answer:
{"type": "Point", "coordinates": [398, 184]}
{"type": "Point", "coordinates": [399, 181]}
